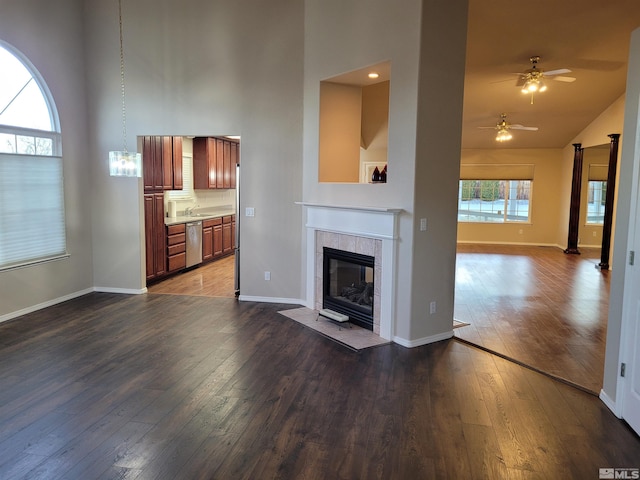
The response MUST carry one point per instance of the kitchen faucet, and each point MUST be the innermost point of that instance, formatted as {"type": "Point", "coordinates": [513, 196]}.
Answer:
{"type": "Point", "coordinates": [189, 210]}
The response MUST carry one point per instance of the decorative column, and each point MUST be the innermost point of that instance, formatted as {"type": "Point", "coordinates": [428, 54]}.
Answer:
{"type": "Point", "coordinates": [608, 206]}
{"type": "Point", "coordinates": [574, 209]}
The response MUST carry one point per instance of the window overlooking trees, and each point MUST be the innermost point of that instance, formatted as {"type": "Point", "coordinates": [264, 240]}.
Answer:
{"type": "Point", "coordinates": [596, 200]}
{"type": "Point", "coordinates": [494, 201]}
{"type": "Point", "coordinates": [32, 228]}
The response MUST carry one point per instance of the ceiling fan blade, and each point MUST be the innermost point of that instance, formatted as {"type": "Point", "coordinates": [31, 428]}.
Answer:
{"type": "Point", "coordinates": [564, 79]}
{"type": "Point", "coordinates": [520, 81]}
{"type": "Point", "coordinates": [492, 128]}
{"type": "Point", "coordinates": [520, 127]}
{"type": "Point", "coordinates": [556, 72]}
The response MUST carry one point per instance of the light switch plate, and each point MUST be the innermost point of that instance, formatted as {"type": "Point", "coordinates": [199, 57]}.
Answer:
{"type": "Point", "coordinates": [249, 212]}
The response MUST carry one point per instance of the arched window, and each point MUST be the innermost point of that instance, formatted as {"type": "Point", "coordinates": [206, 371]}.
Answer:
{"type": "Point", "coordinates": [32, 228]}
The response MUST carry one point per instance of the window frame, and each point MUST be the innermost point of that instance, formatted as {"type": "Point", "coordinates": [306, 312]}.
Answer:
{"type": "Point", "coordinates": [504, 213]}
{"type": "Point", "coordinates": [18, 207]}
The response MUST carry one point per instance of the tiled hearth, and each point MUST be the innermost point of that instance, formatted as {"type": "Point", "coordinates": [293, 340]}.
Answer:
{"type": "Point", "coordinates": [370, 231]}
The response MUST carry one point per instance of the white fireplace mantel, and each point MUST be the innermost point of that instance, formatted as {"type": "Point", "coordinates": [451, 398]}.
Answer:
{"type": "Point", "coordinates": [368, 222]}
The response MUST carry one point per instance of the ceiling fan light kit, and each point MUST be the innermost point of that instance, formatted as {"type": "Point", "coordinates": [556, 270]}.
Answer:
{"type": "Point", "coordinates": [532, 79]}
{"type": "Point", "coordinates": [503, 127]}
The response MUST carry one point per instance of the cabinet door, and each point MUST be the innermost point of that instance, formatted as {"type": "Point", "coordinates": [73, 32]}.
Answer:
{"type": "Point", "coordinates": [207, 243]}
{"type": "Point", "coordinates": [147, 164]}
{"type": "Point", "coordinates": [204, 163]}
{"type": "Point", "coordinates": [177, 163]}
{"type": "Point", "coordinates": [227, 164]}
{"type": "Point", "coordinates": [154, 234]}
{"type": "Point", "coordinates": [149, 236]}
{"type": "Point", "coordinates": [219, 163]}
{"type": "Point", "coordinates": [217, 240]}
{"type": "Point", "coordinates": [226, 238]}
{"type": "Point", "coordinates": [234, 163]}
{"type": "Point", "coordinates": [166, 164]}
{"type": "Point", "coordinates": [160, 236]}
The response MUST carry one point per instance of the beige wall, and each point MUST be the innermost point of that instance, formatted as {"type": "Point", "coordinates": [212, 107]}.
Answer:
{"type": "Point", "coordinates": [375, 124]}
{"type": "Point", "coordinates": [545, 198]}
{"type": "Point", "coordinates": [340, 127]}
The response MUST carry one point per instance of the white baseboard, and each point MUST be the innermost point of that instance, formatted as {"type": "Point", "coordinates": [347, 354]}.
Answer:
{"type": "Point", "coordinates": [128, 291]}
{"type": "Point", "coordinates": [289, 301]}
{"type": "Point", "coordinates": [48, 303]}
{"type": "Point", "coordinates": [494, 242]}
{"type": "Point", "coordinates": [611, 405]}
{"type": "Point", "coordinates": [424, 340]}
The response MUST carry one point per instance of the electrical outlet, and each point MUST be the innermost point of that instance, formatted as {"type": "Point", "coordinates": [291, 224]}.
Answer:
{"type": "Point", "coordinates": [432, 308]}
{"type": "Point", "coordinates": [423, 224]}
{"type": "Point", "coordinates": [594, 234]}
{"type": "Point", "coordinates": [249, 212]}
{"type": "Point", "coordinates": [520, 231]}
{"type": "Point", "coordinates": [267, 275]}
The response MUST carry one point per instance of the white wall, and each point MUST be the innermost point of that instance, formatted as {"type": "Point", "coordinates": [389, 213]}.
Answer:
{"type": "Point", "coordinates": [628, 174]}
{"type": "Point", "coordinates": [50, 34]}
{"type": "Point", "coordinates": [201, 68]}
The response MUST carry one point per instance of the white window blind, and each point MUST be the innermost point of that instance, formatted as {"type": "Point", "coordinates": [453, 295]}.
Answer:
{"type": "Point", "coordinates": [32, 227]}
{"type": "Point", "coordinates": [187, 192]}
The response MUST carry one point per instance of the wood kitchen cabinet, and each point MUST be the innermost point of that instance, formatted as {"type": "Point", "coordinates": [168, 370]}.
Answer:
{"type": "Point", "coordinates": [211, 239]}
{"type": "Point", "coordinates": [214, 163]}
{"type": "Point", "coordinates": [162, 163]}
{"type": "Point", "coordinates": [156, 260]}
{"type": "Point", "coordinates": [176, 247]}
{"type": "Point", "coordinates": [228, 227]}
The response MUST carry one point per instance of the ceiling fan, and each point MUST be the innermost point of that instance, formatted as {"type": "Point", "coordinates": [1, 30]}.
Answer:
{"type": "Point", "coordinates": [532, 79]}
{"type": "Point", "coordinates": [503, 128]}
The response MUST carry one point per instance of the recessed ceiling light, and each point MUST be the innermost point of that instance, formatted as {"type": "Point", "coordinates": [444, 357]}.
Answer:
{"type": "Point", "coordinates": [373, 75]}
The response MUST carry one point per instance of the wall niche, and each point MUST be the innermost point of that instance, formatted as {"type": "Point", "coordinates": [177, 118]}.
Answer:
{"type": "Point", "coordinates": [354, 125]}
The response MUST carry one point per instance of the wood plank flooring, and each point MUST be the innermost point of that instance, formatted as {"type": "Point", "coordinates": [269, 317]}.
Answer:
{"type": "Point", "coordinates": [151, 386]}
{"type": "Point", "coordinates": [536, 305]}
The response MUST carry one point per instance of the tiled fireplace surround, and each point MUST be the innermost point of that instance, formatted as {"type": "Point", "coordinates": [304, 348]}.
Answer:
{"type": "Point", "coordinates": [365, 230]}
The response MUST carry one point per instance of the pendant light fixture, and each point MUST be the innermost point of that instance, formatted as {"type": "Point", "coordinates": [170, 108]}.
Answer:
{"type": "Point", "coordinates": [124, 163]}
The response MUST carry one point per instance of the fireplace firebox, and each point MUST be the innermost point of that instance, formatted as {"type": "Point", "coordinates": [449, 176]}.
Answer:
{"type": "Point", "coordinates": [348, 285]}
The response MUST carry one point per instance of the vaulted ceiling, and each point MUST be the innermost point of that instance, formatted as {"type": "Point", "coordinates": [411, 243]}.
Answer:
{"type": "Point", "coordinates": [589, 37]}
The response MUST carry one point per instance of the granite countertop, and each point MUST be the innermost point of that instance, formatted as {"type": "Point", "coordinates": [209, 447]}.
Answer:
{"type": "Point", "coordinates": [197, 216]}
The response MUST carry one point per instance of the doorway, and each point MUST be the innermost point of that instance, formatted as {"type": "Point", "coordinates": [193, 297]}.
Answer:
{"type": "Point", "coordinates": [206, 172]}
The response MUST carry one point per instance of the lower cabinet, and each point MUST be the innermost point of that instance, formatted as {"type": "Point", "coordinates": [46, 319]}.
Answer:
{"type": "Point", "coordinates": [218, 237]}
{"type": "Point", "coordinates": [156, 260]}
{"type": "Point", "coordinates": [176, 247]}
{"type": "Point", "coordinates": [227, 237]}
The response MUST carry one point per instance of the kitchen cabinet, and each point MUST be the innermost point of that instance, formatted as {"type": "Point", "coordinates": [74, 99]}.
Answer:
{"type": "Point", "coordinates": [207, 241]}
{"type": "Point", "coordinates": [154, 235]}
{"type": "Point", "coordinates": [211, 239]}
{"type": "Point", "coordinates": [214, 163]}
{"type": "Point", "coordinates": [162, 163]}
{"type": "Point", "coordinates": [228, 226]}
{"type": "Point", "coordinates": [176, 247]}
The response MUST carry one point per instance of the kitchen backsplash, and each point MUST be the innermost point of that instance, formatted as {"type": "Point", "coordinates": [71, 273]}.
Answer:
{"type": "Point", "coordinates": [205, 200]}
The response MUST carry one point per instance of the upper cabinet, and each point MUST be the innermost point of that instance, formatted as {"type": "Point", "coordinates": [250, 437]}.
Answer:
{"type": "Point", "coordinates": [162, 163]}
{"type": "Point", "coordinates": [214, 162]}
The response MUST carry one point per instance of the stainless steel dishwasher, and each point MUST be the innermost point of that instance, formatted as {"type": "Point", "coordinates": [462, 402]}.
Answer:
{"type": "Point", "coordinates": [194, 243]}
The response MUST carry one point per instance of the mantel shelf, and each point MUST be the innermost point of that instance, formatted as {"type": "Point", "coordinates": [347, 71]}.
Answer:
{"type": "Point", "coordinates": [394, 211]}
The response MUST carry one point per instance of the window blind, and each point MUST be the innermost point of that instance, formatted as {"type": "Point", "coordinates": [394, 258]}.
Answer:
{"type": "Point", "coordinates": [598, 172]}
{"type": "Point", "coordinates": [187, 181]}
{"type": "Point", "coordinates": [496, 172]}
{"type": "Point", "coordinates": [32, 227]}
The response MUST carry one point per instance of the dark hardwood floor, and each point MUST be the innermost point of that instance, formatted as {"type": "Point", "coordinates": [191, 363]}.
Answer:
{"type": "Point", "coordinates": [152, 386]}
{"type": "Point", "coordinates": [536, 305]}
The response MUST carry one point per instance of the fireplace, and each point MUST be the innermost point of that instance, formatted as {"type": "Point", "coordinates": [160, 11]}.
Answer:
{"type": "Point", "coordinates": [348, 285]}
